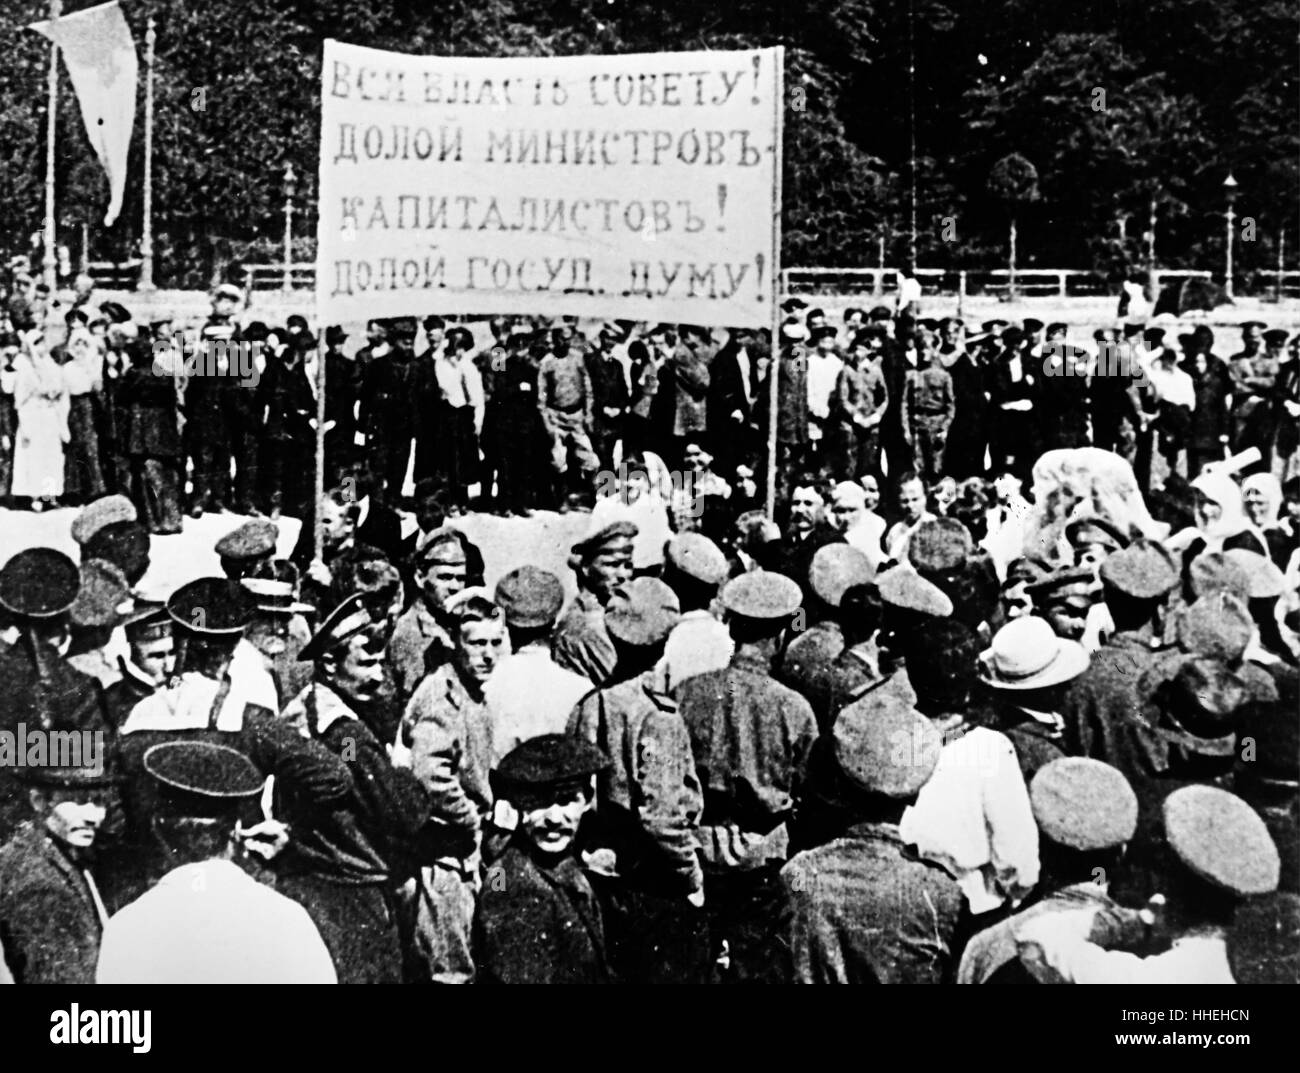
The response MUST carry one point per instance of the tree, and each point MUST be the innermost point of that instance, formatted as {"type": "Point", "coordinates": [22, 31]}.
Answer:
{"type": "Point", "coordinates": [1013, 182]}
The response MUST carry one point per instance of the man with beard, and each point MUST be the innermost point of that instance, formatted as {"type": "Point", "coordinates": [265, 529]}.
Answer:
{"type": "Point", "coordinates": [447, 735]}
{"type": "Point", "coordinates": [602, 562]}
{"type": "Point", "coordinates": [344, 866]}
{"type": "Point", "coordinates": [51, 914]}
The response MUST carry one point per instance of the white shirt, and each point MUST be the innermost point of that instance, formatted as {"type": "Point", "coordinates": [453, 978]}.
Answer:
{"type": "Point", "coordinates": [823, 372]}
{"type": "Point", "coordinates": [187, 705]}
{"type": "Point", "coordinates": [897, 540]}
{"type": "Point", "coordinates": [699, 643]}
{"type": "Point", "coordinates": [252, 677]}
{"type": "Point", "coordinates": [212, 923]}
{"type": "Point", "coordinates": [1172, 385]}
{"type": "Point", "coordinates": [650, 516]}
{"type": "Point", "coordinates": [866, 537]}
{"type": "Point", "coordinates": [1054, 947]}
{"type": "Point", "coordinates": [973, 818]}
{"type": "Point", "coordinates": [529, 695]}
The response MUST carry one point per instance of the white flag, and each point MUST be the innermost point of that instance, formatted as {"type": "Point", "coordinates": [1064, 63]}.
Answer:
{"type": "Point", "coordinates": [100, 56]}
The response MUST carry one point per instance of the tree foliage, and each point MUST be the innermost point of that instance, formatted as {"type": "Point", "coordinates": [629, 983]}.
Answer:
{"type": "Point", "coordinates": [1116, 105]}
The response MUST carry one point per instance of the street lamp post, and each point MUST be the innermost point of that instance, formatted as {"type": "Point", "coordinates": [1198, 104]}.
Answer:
{"type": "Point", "coordinates": [1229, 196]}
{"type": "Point", "coordinates": [290, 188]}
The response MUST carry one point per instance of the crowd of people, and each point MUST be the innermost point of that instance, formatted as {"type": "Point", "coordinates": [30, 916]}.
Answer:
{"type": "Point", "coordinates": [998, 700]}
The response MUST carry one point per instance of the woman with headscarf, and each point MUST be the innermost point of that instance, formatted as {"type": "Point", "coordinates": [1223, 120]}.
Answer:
{"type": "Point", "coordinates": [41, 405]}
{"type": "Point", "coordinates": [1221, 523]}
{"type": "Point", "coordinates": [1261, 497]}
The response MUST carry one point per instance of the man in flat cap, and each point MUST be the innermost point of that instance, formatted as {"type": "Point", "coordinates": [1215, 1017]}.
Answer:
{"type": "Point", "coordinates": [538, 918]}
{"type": "Point", "coordinates": [1086, 812]}
{"type": "Point", "coordinates": [1220, 855]}
{"type": "Point", "coordinates": [861, 908]}
{"type": "Point", "coordinates": [1100, 707]}
{"type": "Point", "coordinates": [207, 920]}
{"type": "Point", "coordinates": [602, 562]}
{"type": "Point", "coordinates": [695, 569]}
{"type": "Point", "coordinates": [51, 913]}
{"type": "Point", "coordinates": [42, 691]}
{"type": "Point", "coordinates": [245, 546]}
{"type": "Point", "coordinates": [447, 731]}
{"type": "Point", "coordinates": [750, 737]}
{"type": "Point", "coordinates": [609, 393]}
{"type": "Point", "coordinates": [648, 800]}
{"type": "Point", "coordinates": [421, 640]}
{"type": "Point", "coordinates": [529, 694]}
{"type": "Point", "coordinates": [345, 865]}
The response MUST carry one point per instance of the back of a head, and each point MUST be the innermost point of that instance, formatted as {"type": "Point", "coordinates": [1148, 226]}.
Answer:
{"type": "Point", "coordinates": [942, 658]}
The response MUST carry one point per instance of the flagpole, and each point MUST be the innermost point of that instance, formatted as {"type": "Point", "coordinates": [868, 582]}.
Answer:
{"type": "Point", "coordinates": [146, 238]}
{"type": "Point", "coordinates": [51, 278]}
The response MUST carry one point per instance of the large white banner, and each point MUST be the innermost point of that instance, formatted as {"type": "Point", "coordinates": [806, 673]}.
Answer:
{"type": "Point", "coordinates": [639, 186]}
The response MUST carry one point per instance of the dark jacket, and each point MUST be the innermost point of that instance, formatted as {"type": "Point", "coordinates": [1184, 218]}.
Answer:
{"type": "Point", "coordinates": [148, 407]}
{"type": "Point", "coordinates": [863, 909]}
{"type": "Point", "coordinates": [538, 923]}
{"type": "Point", "coordinates": [49, 928]}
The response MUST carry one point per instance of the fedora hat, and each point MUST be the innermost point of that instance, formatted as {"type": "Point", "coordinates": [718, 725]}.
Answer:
{"type": "Point", "coordinates": [1026, 654]}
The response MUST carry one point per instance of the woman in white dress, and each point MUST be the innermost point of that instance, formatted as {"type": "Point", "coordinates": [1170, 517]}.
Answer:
{"type": "Point", "coordinates": [41, 406]}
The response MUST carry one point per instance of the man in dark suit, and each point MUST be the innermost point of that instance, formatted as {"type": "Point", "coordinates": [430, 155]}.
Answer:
{"type": "Point", "coordinates": [733, 391]}
{"type": "Point", "coordinates": [610, 396]}
{"type": "Point", "coordinates": [151, 436]}
{"type": "Point", "coordinates": [342, 389]}
{"type": "Point", "coordinates": [387, 414]}
{"type": "Point", "coordinates": [51, 913]}
{"type": "Point", "coordinates": [287, 411]}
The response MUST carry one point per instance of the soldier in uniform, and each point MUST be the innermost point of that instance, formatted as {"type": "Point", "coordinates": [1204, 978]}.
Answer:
{"type": "Point", "coordinates": [649, 800]}
{"type": "Point", "coordinates": [565, 401]}
{"type": "Point", "coordinates": [246, 547]}
{"type": "Point", "coordinates": [205, 702]}
{"type": "Point", "coordinates": [750, 737]}
{"type": "Point", "coordinates": [207, 920]}
{"type": "Point", "coordinates": [422, 638]}
{"type": "Point", "coordinates": [602, 562]}
{"type": "Point", "coordinates": [344, 866]}
{"type": "Point", "coordinates": [51, 913]}
{"type": "Point", "coordinates": [149, 665]}
{"type": "Point", "coordinates": [1220, 855]}
{"type": "Point", "coordinates": [860, 908]}
{"type": "Point", "coordinates": [1101, 707]}
{"type": "Point", "coordinates": [447, 730]}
